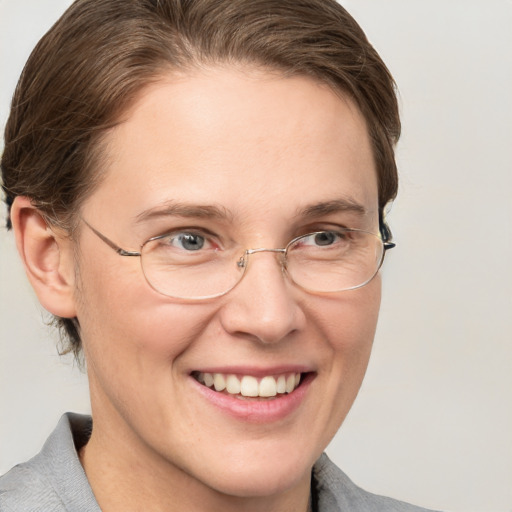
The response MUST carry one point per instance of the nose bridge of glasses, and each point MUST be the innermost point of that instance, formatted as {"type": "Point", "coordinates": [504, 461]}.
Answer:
{"type": "Point", "coordinates": [262, 249]}
{"type": "Point", "coordinates": [242, 262]}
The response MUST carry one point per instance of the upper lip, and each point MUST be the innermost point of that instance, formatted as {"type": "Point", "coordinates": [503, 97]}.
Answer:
{"type": "Point", "coordinates": [255, 371]}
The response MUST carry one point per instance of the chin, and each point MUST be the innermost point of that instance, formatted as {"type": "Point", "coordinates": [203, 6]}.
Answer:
{"type": "Point", "coordinates": [264, 471]}
{"type": "Point", "coordinates": [261, 482]}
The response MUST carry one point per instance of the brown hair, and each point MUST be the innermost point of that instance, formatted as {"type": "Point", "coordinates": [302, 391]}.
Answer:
{"type": "Point", "coordinates": [88, 69]}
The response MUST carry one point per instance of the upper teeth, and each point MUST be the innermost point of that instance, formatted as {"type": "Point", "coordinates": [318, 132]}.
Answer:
{"type": "Point", "coordinates": [250, 386]}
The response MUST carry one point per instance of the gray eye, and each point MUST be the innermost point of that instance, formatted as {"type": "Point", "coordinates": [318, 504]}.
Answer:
{"type": "Point", "coordinates": [188, 241]}
{"type": "Point", "coordinates": [325, 238]}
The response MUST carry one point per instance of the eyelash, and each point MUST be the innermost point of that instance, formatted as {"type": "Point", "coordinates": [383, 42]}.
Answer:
{"type": "Point", "coordinates": [213, 237]}
{"type": "Point", "coordinates": [195, 230]}
{"type": "Point", "coordinates": [313, 228]}
{"type": "Point", "coordinates": [192, 231]}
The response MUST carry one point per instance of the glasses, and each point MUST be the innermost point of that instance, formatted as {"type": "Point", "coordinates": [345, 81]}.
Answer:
{"type": "Point", "coordinates": [189, 265]}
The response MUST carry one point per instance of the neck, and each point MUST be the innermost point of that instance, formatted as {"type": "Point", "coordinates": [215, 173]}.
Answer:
{"type": "Point", "coordinates": [126, 475]}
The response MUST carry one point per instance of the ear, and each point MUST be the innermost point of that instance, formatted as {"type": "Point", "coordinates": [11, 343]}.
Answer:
{"type": "Point", "coordinates": [47, 257]}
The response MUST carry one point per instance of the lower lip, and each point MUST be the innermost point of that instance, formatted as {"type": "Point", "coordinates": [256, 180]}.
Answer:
{"type": "Point", "coordinates": [257, 411]}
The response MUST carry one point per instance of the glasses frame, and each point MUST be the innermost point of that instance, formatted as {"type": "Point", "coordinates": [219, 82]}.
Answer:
{"type": "Point", "coordinates": [244, 259]}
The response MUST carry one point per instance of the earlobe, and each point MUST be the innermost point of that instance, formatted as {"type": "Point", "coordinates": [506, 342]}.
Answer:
{"type": "Point", "coordinates": [47, 257]}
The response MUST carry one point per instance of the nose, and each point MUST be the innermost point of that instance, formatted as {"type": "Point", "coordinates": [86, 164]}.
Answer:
{"type": "Point", "coordinates": [264, 305]}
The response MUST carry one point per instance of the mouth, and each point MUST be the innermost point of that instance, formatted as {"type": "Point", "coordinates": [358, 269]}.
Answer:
{"type": "Point", "coordinates": [250, 387]}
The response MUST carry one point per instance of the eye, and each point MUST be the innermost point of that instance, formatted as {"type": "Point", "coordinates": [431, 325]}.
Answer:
{"type": "Point", "coordinates": [187, 241]}
{"type": "Point", "coordinates": [323, 238]}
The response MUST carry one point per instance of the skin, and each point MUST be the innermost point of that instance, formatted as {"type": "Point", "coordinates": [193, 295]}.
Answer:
{"type": "Point", "coordinates": [262, 148]}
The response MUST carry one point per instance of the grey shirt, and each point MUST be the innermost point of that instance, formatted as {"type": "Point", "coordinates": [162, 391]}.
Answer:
{"type": "Point", "coordinates": [54, 480]}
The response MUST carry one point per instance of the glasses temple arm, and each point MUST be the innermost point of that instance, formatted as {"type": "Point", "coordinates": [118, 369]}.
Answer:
{"type": "Point", "coordinates": [385, 233]}
{"type": "Point", "coordinates": [109, 242]}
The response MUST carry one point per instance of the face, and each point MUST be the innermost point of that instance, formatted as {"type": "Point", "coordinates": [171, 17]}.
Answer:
{"type": "Point", "coordinates": [269, 153]}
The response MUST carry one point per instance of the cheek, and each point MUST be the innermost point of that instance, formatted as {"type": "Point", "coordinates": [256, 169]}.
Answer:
{"type": "Point", "coordinates": [351, 318]}
{"type": "Point", "coordinates": [125, 325]}
{"type": "Point", "coordinates": [350, 324]}
{"type": "Point", "coordinates": [347, 326]}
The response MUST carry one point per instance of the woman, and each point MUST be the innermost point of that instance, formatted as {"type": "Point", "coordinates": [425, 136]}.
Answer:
{"type": "Point", "coordinates": [197, 193]}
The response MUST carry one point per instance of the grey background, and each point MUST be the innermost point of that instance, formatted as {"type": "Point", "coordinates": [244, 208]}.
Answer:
{"type": "Point", "coordinates": [433, 421]}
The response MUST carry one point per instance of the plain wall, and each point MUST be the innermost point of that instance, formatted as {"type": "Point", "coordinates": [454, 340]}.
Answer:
{"type": "Point", "coordinates": [433, 421]}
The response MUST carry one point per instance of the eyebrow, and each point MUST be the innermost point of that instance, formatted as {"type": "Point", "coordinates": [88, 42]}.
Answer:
{"type": "Point", "coordinates": [334, 206]}
{"type": "Point", "coordinates": [198, 211]}
{"type": "Point", "coordinates": [177, 209]}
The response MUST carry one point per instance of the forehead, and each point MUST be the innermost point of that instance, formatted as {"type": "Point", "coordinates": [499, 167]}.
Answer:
{"type": "Point", "coordinates": [242, 139]}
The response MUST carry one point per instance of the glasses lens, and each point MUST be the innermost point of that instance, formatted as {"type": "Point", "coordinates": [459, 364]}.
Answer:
{"type": "Point", "coordinates": [331, 261]}
{"type": "Point", "coordinates": [325, 261]}
{"type": "Point", "coordinates": [188, 271]}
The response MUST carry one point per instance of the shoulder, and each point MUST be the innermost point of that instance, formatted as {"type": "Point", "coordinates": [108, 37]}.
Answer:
{"type": "Point", "coordinates": [52, 481]}
{"type": "Point", "coordinates": [335, 491]}
{"type": "Point", "coordinates": [25, 488]}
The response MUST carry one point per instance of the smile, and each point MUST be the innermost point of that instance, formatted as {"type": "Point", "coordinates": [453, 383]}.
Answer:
{"type": "Point", "coordinates": [249, 386]}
